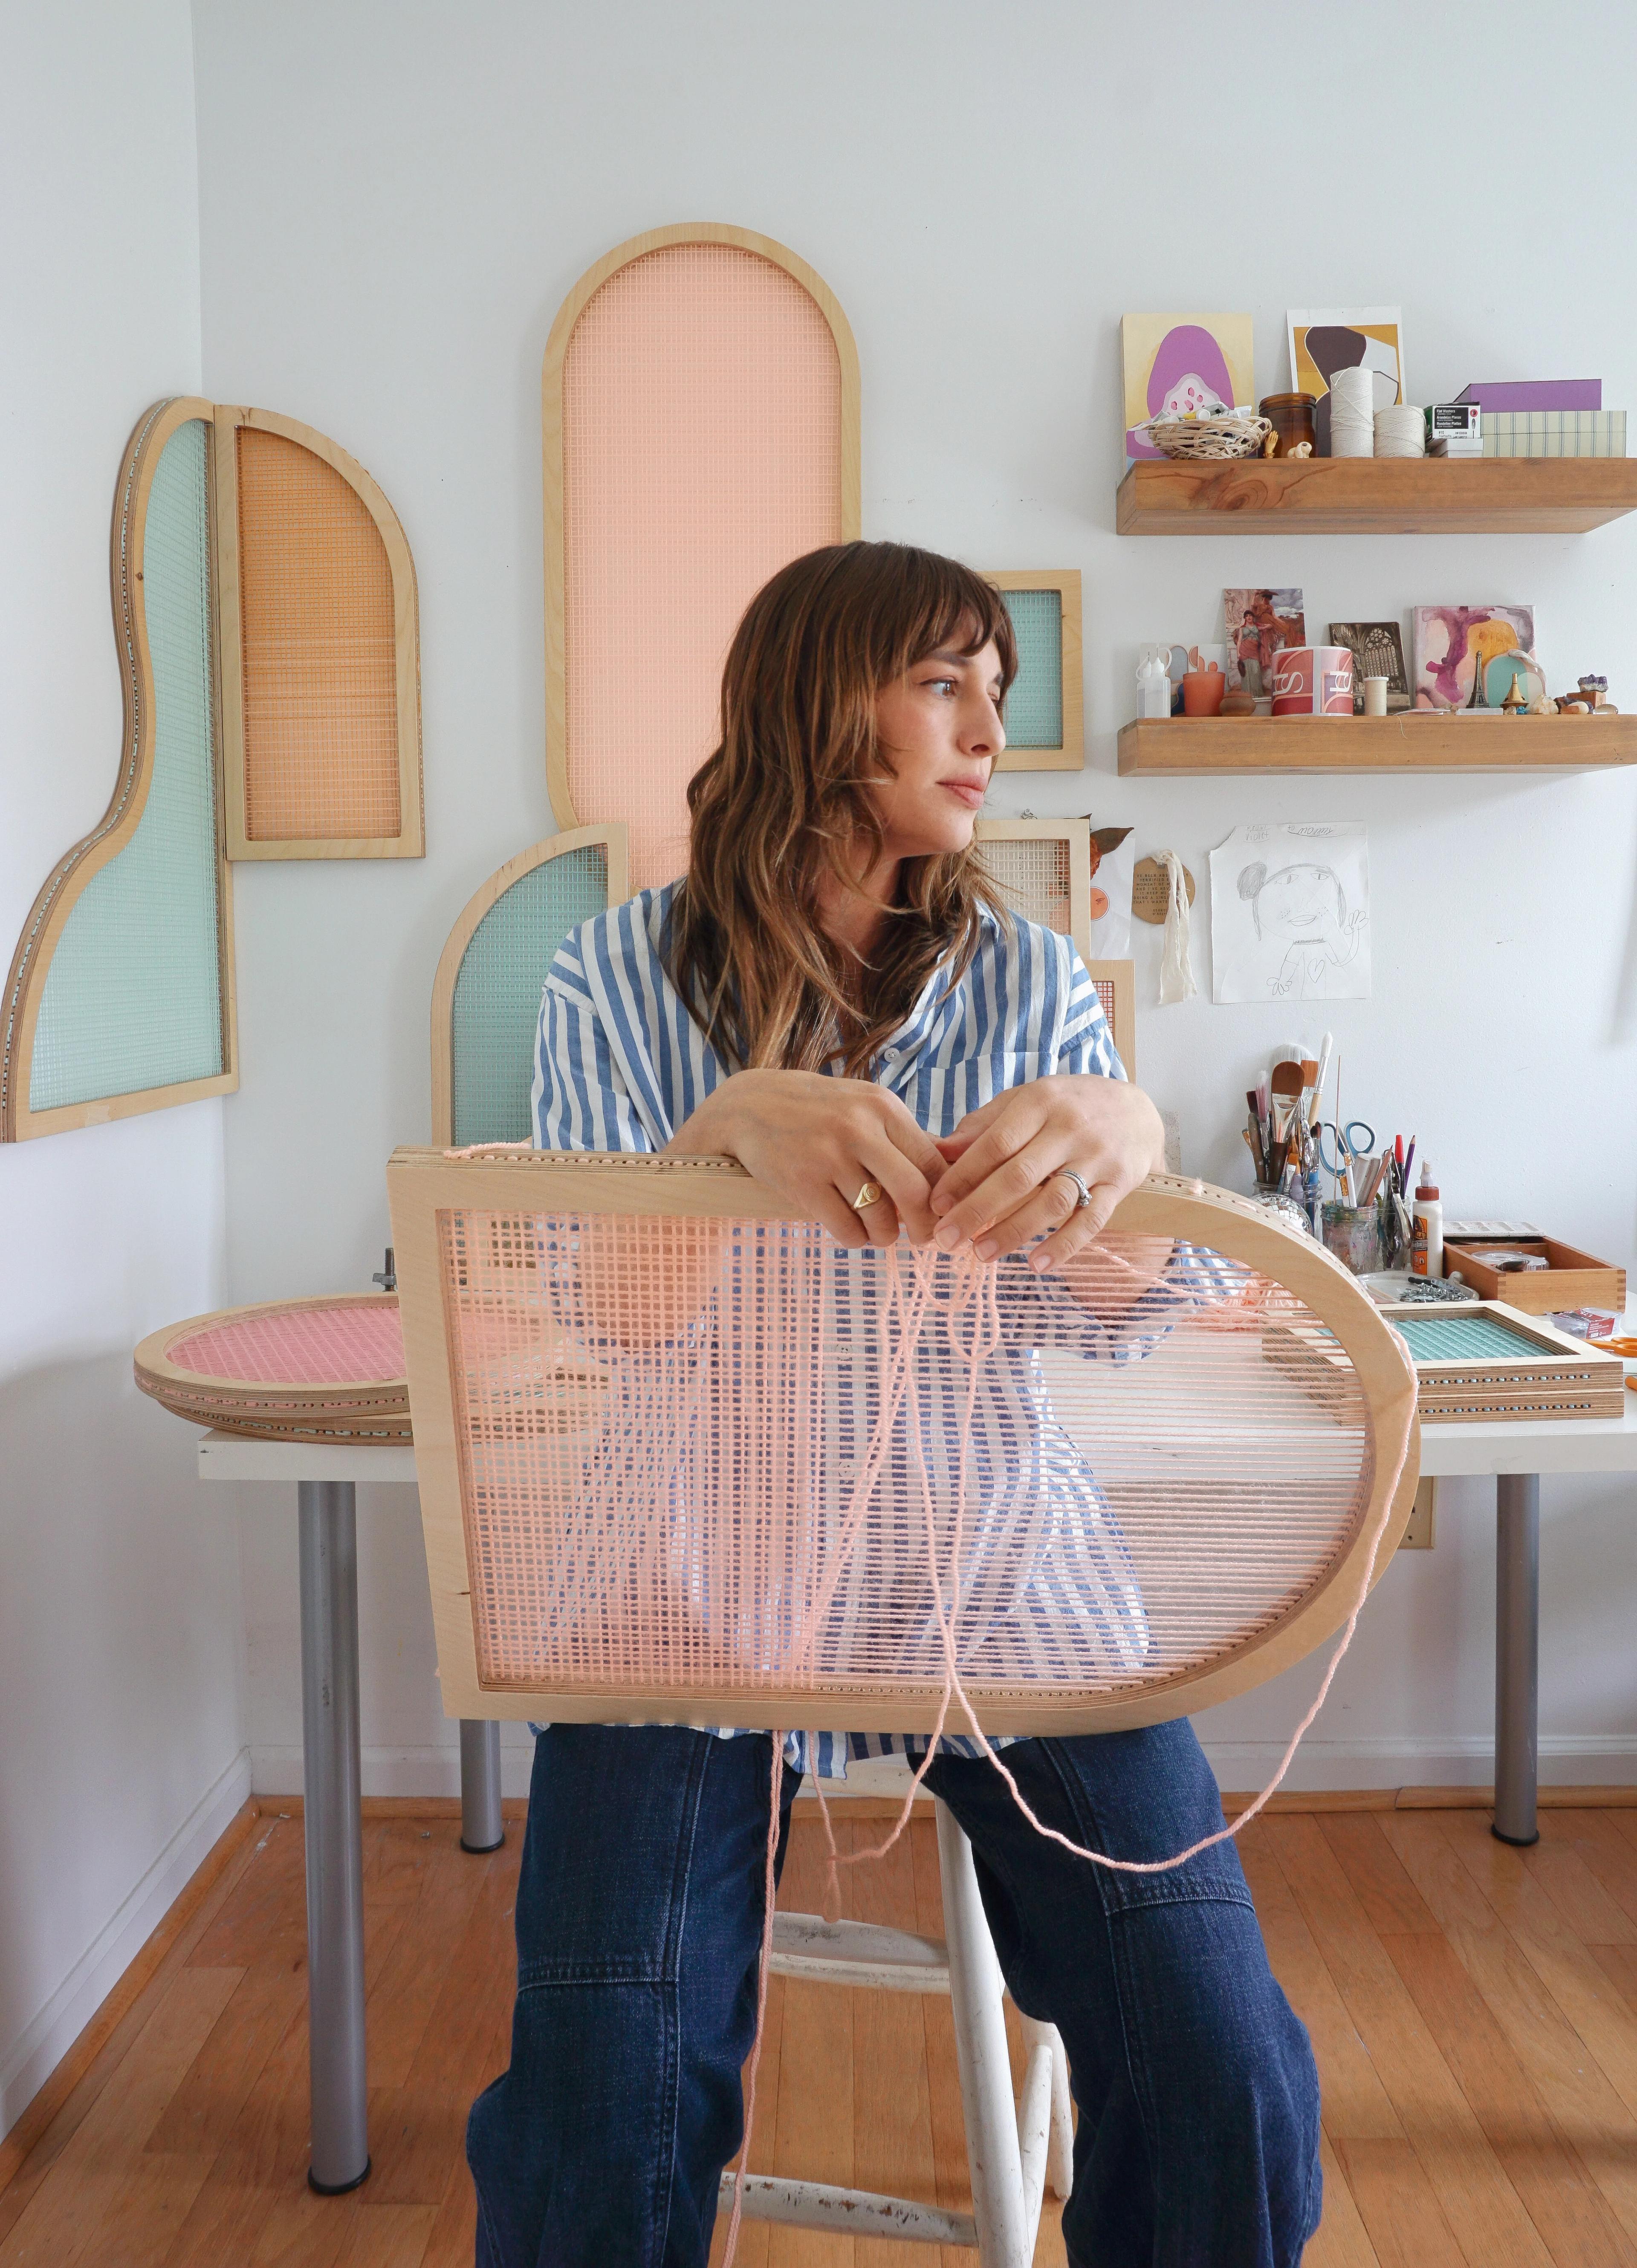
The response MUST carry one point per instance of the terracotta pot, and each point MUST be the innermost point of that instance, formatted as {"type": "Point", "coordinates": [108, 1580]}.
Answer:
{"type": "Point", "coordinates": [1202, 691]}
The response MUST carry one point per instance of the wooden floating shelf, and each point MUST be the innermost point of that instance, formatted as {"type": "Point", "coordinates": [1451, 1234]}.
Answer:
{"type": "Point", "coordinates": [1415, 742]}
{"type": "Point", "coordinates": [1375, 495]}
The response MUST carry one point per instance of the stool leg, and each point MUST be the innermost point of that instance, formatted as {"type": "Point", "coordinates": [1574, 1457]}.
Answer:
{"type": "Point", "coordinates": [334, 1835]}
{"type": "Point", "coordinates": [1060, 2165]}
{"type": "Point", "coordinates": [986, 2072]}
{"type": "Point", "coordinates": [481, 1826]}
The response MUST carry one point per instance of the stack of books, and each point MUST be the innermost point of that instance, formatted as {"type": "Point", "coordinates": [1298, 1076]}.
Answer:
{"type": "Point", "coordinates": [1547, 417]}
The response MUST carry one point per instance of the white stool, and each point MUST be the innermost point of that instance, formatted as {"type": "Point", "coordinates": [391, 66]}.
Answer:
{"type": "Point", "coordinates": [1010, 2150]}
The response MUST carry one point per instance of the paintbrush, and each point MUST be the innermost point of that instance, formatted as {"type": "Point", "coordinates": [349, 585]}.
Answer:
{"type": "Point", "coordinates": [1325, 1047]}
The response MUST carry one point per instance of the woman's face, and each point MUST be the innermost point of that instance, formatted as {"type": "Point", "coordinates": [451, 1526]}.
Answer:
{"type": "Point", "coordinates": [940, 729]}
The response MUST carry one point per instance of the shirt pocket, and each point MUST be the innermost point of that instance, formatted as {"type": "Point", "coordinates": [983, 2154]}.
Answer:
{"type": "Point", "coordinates": [941, 1099]}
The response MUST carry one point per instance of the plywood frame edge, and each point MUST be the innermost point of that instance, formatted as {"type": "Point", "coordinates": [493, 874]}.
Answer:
{"type": "Point", "coordinates": [151, 1355]}
{"type": "Point", "coordinates": [61, 891]}
{"type": "Point", "coordinates": [422, 1182]}
{"type": "Point", "coordinates": [1070, 756]}
{"type": "Point", "coordinates": [615, 838]}
{"type": "Point", "coordinates": [410, 840]}
{"type": "Point", "coordinates": [637, 248]}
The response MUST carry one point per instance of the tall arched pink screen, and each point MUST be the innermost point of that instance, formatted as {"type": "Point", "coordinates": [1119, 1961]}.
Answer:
{"type": "Point", "coordinates": [701, 451]}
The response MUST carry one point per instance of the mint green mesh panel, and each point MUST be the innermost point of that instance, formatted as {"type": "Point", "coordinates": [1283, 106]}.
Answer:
{"type": "Point", "coordinates": [133, 996]}
{"type": "Point", "coordinates": [1462, 1338]}
{"type": "Point", "coordinates": [1034, 707]}
{"type": "Point", "coordinates": [498, 991]}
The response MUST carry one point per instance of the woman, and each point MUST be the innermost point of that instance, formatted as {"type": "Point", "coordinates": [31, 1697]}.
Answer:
{"type": "Point", "coordinates": [833, 995]}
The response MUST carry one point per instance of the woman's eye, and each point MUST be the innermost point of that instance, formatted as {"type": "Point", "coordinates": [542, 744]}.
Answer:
{"type": "Point", "coordinates": [940, 685]}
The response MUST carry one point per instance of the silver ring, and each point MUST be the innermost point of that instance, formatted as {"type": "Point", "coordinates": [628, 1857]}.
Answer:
{"type": "Point", "coordinates": [1084, 1197]}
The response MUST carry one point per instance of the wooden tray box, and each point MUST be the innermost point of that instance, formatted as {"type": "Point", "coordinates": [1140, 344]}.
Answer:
{"type": "Point", "coordinates": [1550, 1376]}
{"type": "Point", "coordinates": [1572, 1279]}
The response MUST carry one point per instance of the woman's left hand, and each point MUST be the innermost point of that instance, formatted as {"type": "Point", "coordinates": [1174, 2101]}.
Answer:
{"type": "Point", "coordinates": [1003, 1188]}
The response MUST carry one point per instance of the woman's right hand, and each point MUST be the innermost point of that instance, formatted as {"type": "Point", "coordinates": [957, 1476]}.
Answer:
{"type": "Point", "coordinates": [815, 1142]}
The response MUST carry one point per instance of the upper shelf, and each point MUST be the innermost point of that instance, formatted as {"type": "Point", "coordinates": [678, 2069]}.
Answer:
{"type": "Point", "coordinates": [1414, 741]}
{"type": "Point", "coordinates": [1375, 495]}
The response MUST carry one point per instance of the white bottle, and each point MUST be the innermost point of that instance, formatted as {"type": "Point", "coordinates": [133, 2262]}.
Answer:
{"type": "Point", "coordinates": [1426, 1243]}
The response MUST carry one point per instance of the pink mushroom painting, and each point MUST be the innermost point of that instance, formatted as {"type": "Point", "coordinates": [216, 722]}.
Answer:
{"type": "Point", "coordinates": [1189, 370]}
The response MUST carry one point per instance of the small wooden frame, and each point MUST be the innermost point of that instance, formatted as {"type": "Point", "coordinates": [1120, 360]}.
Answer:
{"type": "Point", "coordinates": [63, 888]}
{"type": "Point", "coordinates": [1415, 740]}
{"type": "Point", "coordinates": [1067, 752]}
{"type": "Point", "coordinates": [611, 838]}
{"type": "Point", "coordinates": [365, 1409]}
{"type": "Point", "coordinates": [409, 839]}
{"type": "Point", "coordinates": [1349, 496]}
{"type": "Point", "coordinates": [570, 807]}
{"type": "Point", "coordinates": [425, 1187]}
{"type": "Point", "coordinates": [1553, 1375]}
{"type": "Point", "coordinates": [1570, 1278]}
{"type": "Point", "coordinates": [1069, 912]}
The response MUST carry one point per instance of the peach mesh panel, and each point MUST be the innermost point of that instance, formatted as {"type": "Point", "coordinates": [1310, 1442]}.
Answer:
{"type": "Point", "coordinates": [1033, 876]}
{"type": "Point", "coordinates": [321, 690]}
{"type": "Point", "coordinates": [341, 1345]}
{"type": "Point", "coordinates": [701, 451]}
{"type": "Point", "coordinates": [702, 1455]}
{"type": "Point", "coordinates": [1105, 989]}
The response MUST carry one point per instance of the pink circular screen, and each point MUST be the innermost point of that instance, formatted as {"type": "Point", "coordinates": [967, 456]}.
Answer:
{"type": "Point", "coordinates": [299, 1346]}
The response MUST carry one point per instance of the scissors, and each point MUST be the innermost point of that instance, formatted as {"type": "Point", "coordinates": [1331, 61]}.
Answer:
{"type": "Point", "coordinates": [1356, 1139]}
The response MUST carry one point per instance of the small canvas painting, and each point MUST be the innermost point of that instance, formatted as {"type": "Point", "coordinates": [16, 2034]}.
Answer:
{"type": "Point", "coordinates": [1377, 651]}
{"type": "Point", "coordinates": [1290, 914]}
{"type": "Point", "coordinates": [1260, 623]}
{"type": "Point", "coordinates": [1176, 364]}
{"type": "Point", "coordinates": [1325, 340]}
{"type": "Point", "coordinates": [1469, 657]}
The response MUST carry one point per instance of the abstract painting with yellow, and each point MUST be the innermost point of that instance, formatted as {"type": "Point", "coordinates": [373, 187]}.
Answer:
{"type": "Point", "coordinates": [1470, 657]}
{"type": "Point", "coordinates": [1325, 340]}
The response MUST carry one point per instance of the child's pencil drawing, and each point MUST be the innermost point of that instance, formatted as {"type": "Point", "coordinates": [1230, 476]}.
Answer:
{"type": "Point", "coordinates": [1290, 914]}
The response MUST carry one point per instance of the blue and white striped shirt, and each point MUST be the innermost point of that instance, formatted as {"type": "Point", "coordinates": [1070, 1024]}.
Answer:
{"type": "Point", "coordinates": [620, 1064]}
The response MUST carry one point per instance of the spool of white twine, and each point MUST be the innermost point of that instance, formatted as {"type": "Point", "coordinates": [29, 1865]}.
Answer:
{"type": "Point", "coordinates": [1400, 431]}
{"type": "Point", "coordinates": [1352, 414]}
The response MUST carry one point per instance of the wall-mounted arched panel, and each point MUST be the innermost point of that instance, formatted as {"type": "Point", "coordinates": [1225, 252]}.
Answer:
{"type": "Point", "coordinates": [320, 654]}
{"type": "Point", "coordinates": [120, 996]}
{"type": "Point", "coordinates": [486, 1002]}
{"type": "Point", "coordinates": [701, 429]}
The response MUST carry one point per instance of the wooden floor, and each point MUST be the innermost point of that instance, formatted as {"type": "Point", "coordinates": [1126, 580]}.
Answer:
{"type": "Point", "coordinates": [1474, 2010]}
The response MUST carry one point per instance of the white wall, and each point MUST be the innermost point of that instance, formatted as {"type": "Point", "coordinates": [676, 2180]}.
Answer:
{"type": "Point", "coordinates": [120, 1627]}
{"type": "Point", "coordinates": [395, 199]}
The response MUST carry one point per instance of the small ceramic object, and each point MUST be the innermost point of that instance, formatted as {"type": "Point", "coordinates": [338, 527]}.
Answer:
{"type": "Point", "coordinates": [1516, 699]}
{"type": "Point", "coordinates": [1202, 692]}
{"type": "Point", "coordinates": [1154, 683]}
{"type": "Point", "coordinates": [1238, 703]}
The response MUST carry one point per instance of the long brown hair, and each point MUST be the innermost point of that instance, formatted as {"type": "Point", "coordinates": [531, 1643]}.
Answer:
{"type": "Point", "coordinates": [783, 802]}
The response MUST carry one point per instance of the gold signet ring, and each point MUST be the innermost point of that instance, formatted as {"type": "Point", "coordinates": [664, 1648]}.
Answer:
{"type": "Point", "coordinates": [867, 1196]}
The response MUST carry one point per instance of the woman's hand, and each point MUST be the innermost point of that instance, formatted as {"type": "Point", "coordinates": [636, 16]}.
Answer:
{"type": "Point", "coordinates": [816, 1142]}
{"type": "Point", "coordinates": [1002, 1188]}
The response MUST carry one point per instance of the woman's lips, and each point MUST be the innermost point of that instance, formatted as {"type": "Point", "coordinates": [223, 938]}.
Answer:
{"type": "Point", "coordinates": [968, 792]}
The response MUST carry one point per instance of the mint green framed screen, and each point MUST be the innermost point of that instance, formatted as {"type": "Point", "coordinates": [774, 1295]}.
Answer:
{"type": "Point", "coordinates": [1463, 1338]}
{"type": "Point", "coordinates": [132, 998]}
{"type": "Point", "coordinates": [496, 1004]}
{"type": "Point", "coordinates": [1034, 706]}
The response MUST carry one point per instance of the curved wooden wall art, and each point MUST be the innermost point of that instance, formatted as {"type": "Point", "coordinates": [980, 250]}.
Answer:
{"type": "Point", "coordinates": [1042, 867]}
{"type": "Point", "coordinates": [700, 426]}
{"type": "Point", "coordinates": [321, 650]}
{"type": "Point", "coordinates": [1249, 1543]}
{"type": "Point", "coordinates": [1045, 708]}
{"type": "Point", "coordinates": [486, 999]}
{"type": "Point", "coordinates": [120, 998]}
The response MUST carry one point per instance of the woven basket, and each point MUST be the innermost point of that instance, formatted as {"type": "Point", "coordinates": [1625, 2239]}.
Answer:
{"type": "Point", "coordinates": [1208, 436]}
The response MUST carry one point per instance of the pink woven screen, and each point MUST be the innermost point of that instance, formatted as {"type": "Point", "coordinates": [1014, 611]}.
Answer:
{"type": "Point", "coordinates": [341, 1345]}
{"type": "Point", "coordinates": [701, 425]}
{"type": "Point", "coordinates": [722, 1453]}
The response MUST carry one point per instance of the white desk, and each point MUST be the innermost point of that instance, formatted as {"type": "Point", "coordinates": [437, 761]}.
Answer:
{"type": "Point", "coordinates": [326, 1474]}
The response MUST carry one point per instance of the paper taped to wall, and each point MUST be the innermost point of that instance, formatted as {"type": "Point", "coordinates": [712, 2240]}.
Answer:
{"type": "Point", "coordinates": [1290, 914]}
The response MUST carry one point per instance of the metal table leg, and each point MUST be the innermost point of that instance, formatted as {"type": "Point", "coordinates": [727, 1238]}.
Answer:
{"type": "Point", "coordinates": [334, 1835]}
{"type": "Point", "coordinates": [481, 1826]}
{"type": "Point", "coordinates": [1517, 1654]}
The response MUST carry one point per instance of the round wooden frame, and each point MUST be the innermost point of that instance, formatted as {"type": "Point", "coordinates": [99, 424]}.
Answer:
{"type": "Point", "coordinates": [369, 1409]}
{"type": "Point", "coordinates": [423, 1183]}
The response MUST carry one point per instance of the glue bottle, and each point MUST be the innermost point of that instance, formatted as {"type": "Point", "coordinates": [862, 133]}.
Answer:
{"type": "Point", "coordinates": [1426, 1242]}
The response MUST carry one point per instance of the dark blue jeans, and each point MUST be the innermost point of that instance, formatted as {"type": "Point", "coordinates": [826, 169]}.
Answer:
{"type": "Point", "coordinates": [639, 1926]}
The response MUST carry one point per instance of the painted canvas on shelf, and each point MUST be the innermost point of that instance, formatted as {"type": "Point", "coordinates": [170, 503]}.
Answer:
{"type": "Point", "coordinates": [1260, 625]}
{"type": "Point", "coordinates": [1290, 914]}
{"type": "Point", "coordinates": [1175, 363]}
{"type": "Point", "coordinates": [1468, 657]}
{"type": "Point", "coordinates": [1377, 651]}
{"type": "Point", "coordinates": [1325, 340]}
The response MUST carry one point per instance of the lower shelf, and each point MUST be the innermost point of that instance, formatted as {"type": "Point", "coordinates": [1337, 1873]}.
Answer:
{"type": "Point", "coordinates": [1416, 741]}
